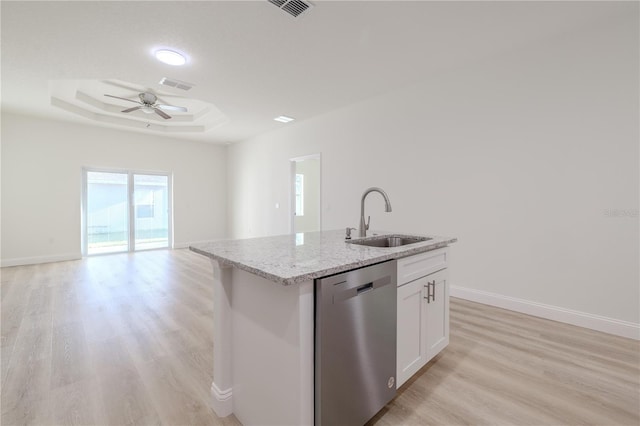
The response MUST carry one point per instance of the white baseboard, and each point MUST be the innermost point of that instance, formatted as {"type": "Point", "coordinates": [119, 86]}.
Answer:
{"type": "Point", "coordinates": [582, 319]}
{"type": "Point", "coordinates": [40, 259]}
{"type": "Point", "coordinates": [222, 402]}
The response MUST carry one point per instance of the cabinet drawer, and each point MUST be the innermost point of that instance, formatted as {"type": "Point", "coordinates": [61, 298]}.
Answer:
{"type": "Point", "coordinates": [414, 267]}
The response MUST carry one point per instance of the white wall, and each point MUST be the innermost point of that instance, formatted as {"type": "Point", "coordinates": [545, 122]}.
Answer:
{"type": "Point", "coordinates": [521, 157]}
{"type": "Point", "coordinates": [42, 164]}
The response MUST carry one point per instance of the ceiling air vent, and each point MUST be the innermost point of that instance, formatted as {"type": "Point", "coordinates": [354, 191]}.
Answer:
{"type": "Point", "coordinates": [293, 7]}
{"type": "Point", "coordinates": [172, 82]}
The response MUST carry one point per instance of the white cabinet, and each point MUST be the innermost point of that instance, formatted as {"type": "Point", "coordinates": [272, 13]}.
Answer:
{"type": "Point", "coordinates": [423, 311]}
{"type": "Point", "coordinates": [437, 314]}
{"type": "Point", "coordinates": [411, 346]}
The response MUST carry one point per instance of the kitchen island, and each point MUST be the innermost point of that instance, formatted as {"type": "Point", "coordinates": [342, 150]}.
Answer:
{"type": "Point", "coordinates": [264, 318]}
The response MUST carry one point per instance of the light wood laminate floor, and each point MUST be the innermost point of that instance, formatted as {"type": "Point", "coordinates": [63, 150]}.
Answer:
{"type": "Point", "coordinates": [126, 339]}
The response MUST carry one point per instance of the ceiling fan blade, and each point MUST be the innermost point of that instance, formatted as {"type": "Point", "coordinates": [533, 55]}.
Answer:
{"type": "Point", "coordinates": [124, 99]}
{"type": "Point", "coordinates": [132, 109]}
{"type": "Point", "coordinates": [162, 113]}
{"type": "Point", "coordinates": [172, 108]}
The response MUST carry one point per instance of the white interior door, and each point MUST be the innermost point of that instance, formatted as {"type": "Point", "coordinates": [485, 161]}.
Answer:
{"type": "Point", "coordinates": [305, 194]}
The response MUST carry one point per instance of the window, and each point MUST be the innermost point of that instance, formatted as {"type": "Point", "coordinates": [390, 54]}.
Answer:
{"type": "Point", "coordinates": [299, 195]}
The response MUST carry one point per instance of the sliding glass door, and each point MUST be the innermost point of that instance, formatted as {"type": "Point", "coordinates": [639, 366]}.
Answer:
{"type": "Point", "coordinates": [126, 211]}
{"type": "Point", "coordinates": [107, 224]}
{"type": "Point", "coordinates": [151, 211]}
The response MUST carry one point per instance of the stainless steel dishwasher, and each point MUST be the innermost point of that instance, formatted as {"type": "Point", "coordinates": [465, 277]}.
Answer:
{"type": "Point", "coordinates": [355, 344]}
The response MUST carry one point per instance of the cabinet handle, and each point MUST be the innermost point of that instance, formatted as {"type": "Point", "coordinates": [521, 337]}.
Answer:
{"type": "Point", "coordinates": [431, 291]}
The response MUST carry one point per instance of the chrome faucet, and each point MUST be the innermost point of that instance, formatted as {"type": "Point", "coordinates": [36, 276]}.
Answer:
{"type": "Point", "coordinates": [387, 208]}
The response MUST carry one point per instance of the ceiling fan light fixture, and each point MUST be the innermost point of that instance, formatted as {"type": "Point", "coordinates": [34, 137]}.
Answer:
{"type": "Point", "coordinates": [170, 57]}
{"type": "Point", "coordinates": [147, 109]}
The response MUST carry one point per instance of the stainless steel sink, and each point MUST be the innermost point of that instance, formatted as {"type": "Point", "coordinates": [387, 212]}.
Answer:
{"type": "Point", "coordinates": [389, 240]}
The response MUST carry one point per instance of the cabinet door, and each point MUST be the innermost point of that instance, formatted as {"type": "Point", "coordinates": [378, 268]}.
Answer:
{"type": "Point", "coordinates": [411, 354]}
{"type": "Point", "coordinates": [436, 320]}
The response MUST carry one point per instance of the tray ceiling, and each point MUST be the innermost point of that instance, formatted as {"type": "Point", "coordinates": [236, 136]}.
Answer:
{"type": "Point", "coordinates": [249, 61]}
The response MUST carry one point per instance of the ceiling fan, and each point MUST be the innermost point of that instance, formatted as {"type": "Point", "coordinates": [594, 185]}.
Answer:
{"type": "Point", "coordinates": [148, 103]}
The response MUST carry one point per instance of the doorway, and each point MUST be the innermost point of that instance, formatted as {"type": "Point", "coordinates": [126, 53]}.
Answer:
{"type": "Point", "coordinates": [125, 211]}
{"type": "Point", "coordinates": [305, 193]}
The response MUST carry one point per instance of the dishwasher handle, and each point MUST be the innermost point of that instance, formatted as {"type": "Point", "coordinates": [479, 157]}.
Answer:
{"type": "Point", "coordinates": [362, 289]}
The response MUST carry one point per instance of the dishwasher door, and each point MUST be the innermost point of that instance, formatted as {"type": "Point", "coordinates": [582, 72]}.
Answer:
{"type": "Point", "coordinates": [355, 344]}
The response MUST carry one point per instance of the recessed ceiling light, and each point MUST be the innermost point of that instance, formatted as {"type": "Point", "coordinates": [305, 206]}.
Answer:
{"type": "Point", "coordinates": [284, 119]}
{"type": "Point", "coordinates": [170, 57]}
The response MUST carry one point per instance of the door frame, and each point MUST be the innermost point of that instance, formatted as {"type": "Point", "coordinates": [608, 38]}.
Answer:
{"type": "Point", "coordinates": [292, 189]}
{"type": "Point", "coordinates": [131, 238]}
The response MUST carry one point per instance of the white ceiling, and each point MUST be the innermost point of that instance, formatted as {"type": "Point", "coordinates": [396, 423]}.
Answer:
{"type": "Point", "coordinates": [252, 61]}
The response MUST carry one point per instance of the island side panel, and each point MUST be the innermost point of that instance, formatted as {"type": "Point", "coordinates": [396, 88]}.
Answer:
{"type": "Point", "coordinates": [307, 351]}
{"type": "Point", "coordinates": [221, 387]}
{"type": "Point", "coordinates": [272, 351]}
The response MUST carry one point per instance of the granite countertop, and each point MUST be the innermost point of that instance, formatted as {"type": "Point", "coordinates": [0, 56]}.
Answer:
{"type": "Point", "coordinates": [294, 258]}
